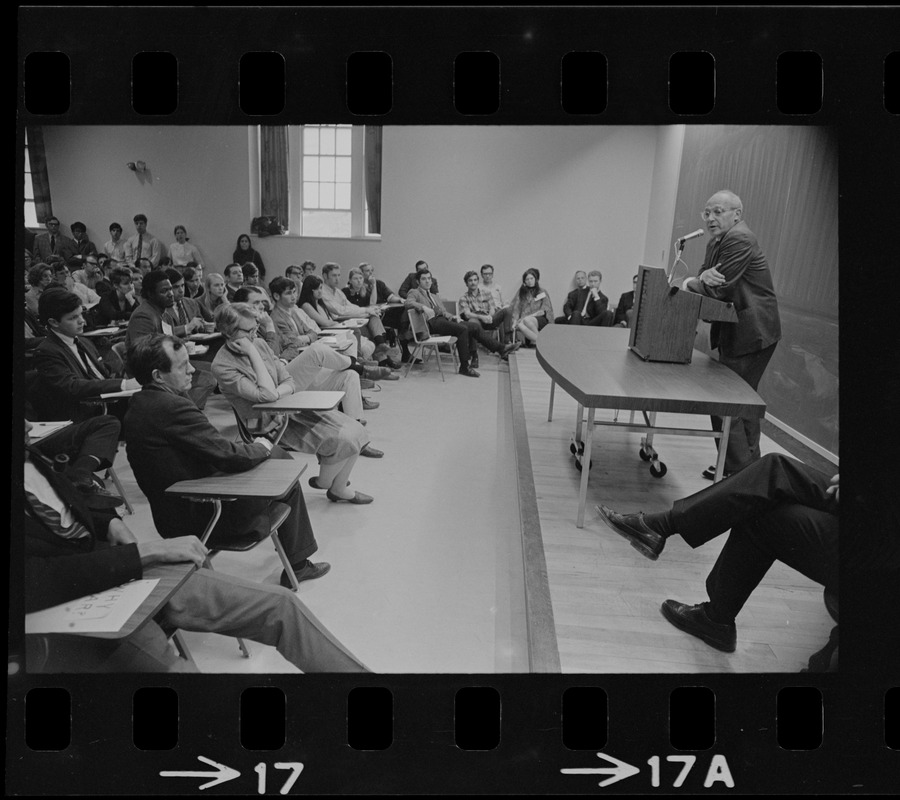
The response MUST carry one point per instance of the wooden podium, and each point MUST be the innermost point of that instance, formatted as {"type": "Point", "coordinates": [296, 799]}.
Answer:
{"type": "Point", "coordinates": [665, 317]}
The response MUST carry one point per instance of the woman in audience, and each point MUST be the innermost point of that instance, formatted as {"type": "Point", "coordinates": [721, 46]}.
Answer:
{"type": "Point", "coordinates": [531, 307]}
{"type": "Point", "coordinates": [40, 276]}
{"type": "Point", "coordinates": [214, 296]}
{"type": "Point", "coordinates": [181, 251]}
{"type": "Point", "coordinates": [248, 373]}
{"type": "Point", "coordinates": [193, 281]}
{"type": "Point", "coordinates": [244, 252]}
{"type": "Point", "coordinates": [310, 303]}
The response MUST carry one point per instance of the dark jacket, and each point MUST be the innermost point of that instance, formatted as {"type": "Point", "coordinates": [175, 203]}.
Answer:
{"type": "Point", "coordinates": [112, 307]}
{"type": "Point", "coordinates": [411, 281]}
{"type": "Point", "coordinates": [626, 303]}
{"type": "Point", "coordinates": [168, 439]}
{"type": "Point", "coordinates": [63, 381]}
{"type": "Point", "coordinates": [575, 302]}
{"type": "Point", "coordinates": [748, 284]}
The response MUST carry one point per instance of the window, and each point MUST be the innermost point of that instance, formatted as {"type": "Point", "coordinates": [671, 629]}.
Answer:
{"type": "Point", "coordinates": [333, 184]}
{"type": "Point", "coordinates": [31, 220]}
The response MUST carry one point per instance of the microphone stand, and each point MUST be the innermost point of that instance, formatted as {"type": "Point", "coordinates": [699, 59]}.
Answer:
{"type": "Point", "coordinates": [679, 249]}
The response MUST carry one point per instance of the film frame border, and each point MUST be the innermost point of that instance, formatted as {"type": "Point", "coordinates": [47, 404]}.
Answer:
{"type": "Point", "coordinates": [423, 756]}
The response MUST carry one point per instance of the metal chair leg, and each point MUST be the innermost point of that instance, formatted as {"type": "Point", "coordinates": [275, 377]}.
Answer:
{"type": "Point", "coordinates": [111, 473]}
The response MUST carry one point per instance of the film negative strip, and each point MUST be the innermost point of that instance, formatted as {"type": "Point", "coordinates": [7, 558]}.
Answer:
{"type": "Point", "coordinates": [569, 68]}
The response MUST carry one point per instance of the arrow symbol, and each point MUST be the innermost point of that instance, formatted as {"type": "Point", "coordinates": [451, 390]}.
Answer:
{"type": "Point", "coordinates": [222, 773]}
{"type": "Point", "coordinates": [618, 772]}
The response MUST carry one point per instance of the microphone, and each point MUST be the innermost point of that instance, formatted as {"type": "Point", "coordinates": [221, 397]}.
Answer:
{"type": "Point", "coordinates": [694, 235]}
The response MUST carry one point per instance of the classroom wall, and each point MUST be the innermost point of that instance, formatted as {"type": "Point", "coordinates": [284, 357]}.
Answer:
{"type": "Point", "coordinates": [557, 198]}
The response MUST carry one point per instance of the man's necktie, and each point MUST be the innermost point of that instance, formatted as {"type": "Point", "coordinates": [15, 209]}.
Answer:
{"type": "Point", "coordinates": [91, 371]}
{"type": "Point", "coordinates": [52, 244]}
{"type": "Point", "coordinates": [140, 249]}
{"type": "Point", "coordinates": [182, 316]}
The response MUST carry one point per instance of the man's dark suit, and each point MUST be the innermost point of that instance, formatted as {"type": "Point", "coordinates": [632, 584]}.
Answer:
{"type": "Point", "coordinates": [575, 313]}
{"type": "Point", "coordinates": [746, 346]}
{"type": "Point", "coordinates": [63, 382]}
{"type": "Point", "coordinates": [64, 247]}
{"type": "Point", "coordinates": [168, 439]}
{"type": "Point", "coordinates": [411, 281]}
{"type": "Point", "coordinates": [626, 303]}
{"type": "Point", "coordinates": [777, 509]}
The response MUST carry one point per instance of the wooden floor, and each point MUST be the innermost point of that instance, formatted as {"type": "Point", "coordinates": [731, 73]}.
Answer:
{"type": "Point", "coordinates": [606, 596]}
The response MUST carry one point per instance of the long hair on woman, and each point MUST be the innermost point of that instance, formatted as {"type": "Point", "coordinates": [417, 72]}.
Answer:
{"type": "Point", "coordinates": [526, 292]}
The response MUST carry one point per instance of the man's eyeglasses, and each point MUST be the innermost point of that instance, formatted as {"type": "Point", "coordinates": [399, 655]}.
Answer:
{"type": "Point", "coordinates": [714, 212]}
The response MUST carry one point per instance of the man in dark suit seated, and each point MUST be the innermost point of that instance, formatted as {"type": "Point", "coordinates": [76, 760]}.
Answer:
{"type": "Point", "coordinates": [69, 368]}
{"type": "Point", "coordinates": [168, 439]}
{"type": "Point", "coordinates": [411, 281]}
{"type": "Point", "coordinates": [587, 305]}
{"type": "Point", "coordinates": [626, 307]}
{"type": "Point", "coordinates": [777, 509]}
{"type": "Point", "coordinates": [72, 551]}
{"type": "Point", "coordinates": [158, 298]}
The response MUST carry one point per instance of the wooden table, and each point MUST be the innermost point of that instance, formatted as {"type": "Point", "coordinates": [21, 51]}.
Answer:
{"type": "Point", "coordinates": [300, 401]}
{"type": "Point", "coordinates": [595, 367]}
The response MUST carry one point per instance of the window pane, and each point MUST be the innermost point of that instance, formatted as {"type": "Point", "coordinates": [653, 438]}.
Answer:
{"type": "Point", "coordinates": [342, 169]}
{"type": "Point", "coordinates": [333, 224]}
{"type": "Point", "coordinates": [343, 141]}
{"type": "Point", "coordinates": [326, 195]}
{"type": "Point", "coordinates": [342, 195]}
{"type": "Point", "coordinates": [310, 195]}
{"type": "Point", "coordinates": [311, 140]}
{"type": "Point", "coordinates": [310, 168]}
{"type": "Point", "coordinates": [31, 219]}
{"type": "Point", "coordinates": [327, 141]}
{"type": "Point", "coordinates": [326, 168]}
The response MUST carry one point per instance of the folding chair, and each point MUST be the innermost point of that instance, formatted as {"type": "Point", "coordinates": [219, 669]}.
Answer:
{"type": "Point", "coordinates": [424, 341]}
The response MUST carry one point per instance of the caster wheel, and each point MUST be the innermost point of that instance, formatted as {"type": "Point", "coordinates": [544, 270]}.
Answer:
{"type": "Point", "coordinates": [645, 456]}
{"type": "Point", "coordinates": [572, 448]}
{"type": "Point", "coordinates": [578, 464]}
{"type": "Point", "coordinates": [658, 469]}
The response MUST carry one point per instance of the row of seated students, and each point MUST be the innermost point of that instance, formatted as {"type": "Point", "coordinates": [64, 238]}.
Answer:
{"type": "Point", "coordinates": [168, 437]}
{"type": "Point", "coordinates": [53, 244]}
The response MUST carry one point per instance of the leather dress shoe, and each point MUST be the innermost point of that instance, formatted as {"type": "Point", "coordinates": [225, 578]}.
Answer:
{"type": "Point", "coordinates": [469, 372]}
{"type": "Point", "coordinates": [473, 362]}
{"type": "Point", "coordinates": [369, 405]}
{"type": "Point", "coordinates": [391, 364]}
{"type": "Point", "coordinates": [309, 572]}
{"type": "Point", "coordinates": [646, 541]}
{"type": "Point", "coordinates": [508, 348]}
{"type": "Point", "coordinates": [370, 452]}
{"type": "Point", "coordinates": [358, 499]}
{"type": "Point", "coordinates": [694, 620]}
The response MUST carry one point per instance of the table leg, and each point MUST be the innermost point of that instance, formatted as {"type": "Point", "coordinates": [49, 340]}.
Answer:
{"type": "Point", "coordinates": [723, 447]}
{"type": "Point", "coordinates": [579, 424]}
{"type": "Point", "coordinates": [552, 393]}
{"type": "Point", "coordinates": [585, 465]}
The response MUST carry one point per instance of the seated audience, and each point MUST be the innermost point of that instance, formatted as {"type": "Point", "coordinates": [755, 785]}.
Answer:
{"type": "Point", "coordinates": [588, 305]}
{"type": "Point", "coordinates": [117, 305]}
{"type": "Point", "coordinates": [144, 265]}
{"type": "Point", "coordinates": [244, 252]}
{"type": "Point", "coordinates": [158, 297]}
{"type": "Point", "coordinates": [115, 247]}
{"type": "Point", "coordinates": [531, 307]}
{"type": "Point", "coordinates": [249, 373]}
{"type": "Point", "coordinates": [214, 292]}
{"type": "Point", "coordinates": [181, 251]}
{"type": "Point", "coordinates": [478, 305]}
{"type": "Point", "coordinates": [265, 329]}
{"type": "Point", "coordinates": [342, 309]}
{"type": "Point", "coordinates": [313, 367]}
{"type": "Point", "coordinates": [777, 509]}
{"type": "Point", "coordinates": [83, 245]}
{"type": "Point", "coordinates": [575, 298]}
{"type": "Point", "coordinates": [169, 440]}
{"type": "Point", "coordinates": [308, 268]}
{"type": "Point", "coordinates": [488, 285]}
{"type": "Point", "coordinates": [185, 313]}
{"type": "Point", "coordinates": [294, 273]}
{"type": "Point", "coordinates": [625, 309]}
{"type": "Point", "coordinates": [90, 274]}
{"type": "Point", "coordinates": [40, 276]}
{"type": "Point", "coordinates": [137, 281]}
{"type": "Point", "coordinates": [143, 244]}
{"type": "Point", "coordinates": [68, 365]}
{"type": "Point", "coordinates": [441, 323]}
{"type": "Point", "coordinates": [62, 279]}
{"type": "Point", "coordinates": [72, 550]}
{"type": "Point", "coordinates": [52, 243]}
{"type": "Point", "coordinates": [234, 279]}
{"type": "Point", "coordinates": [313, 307]}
